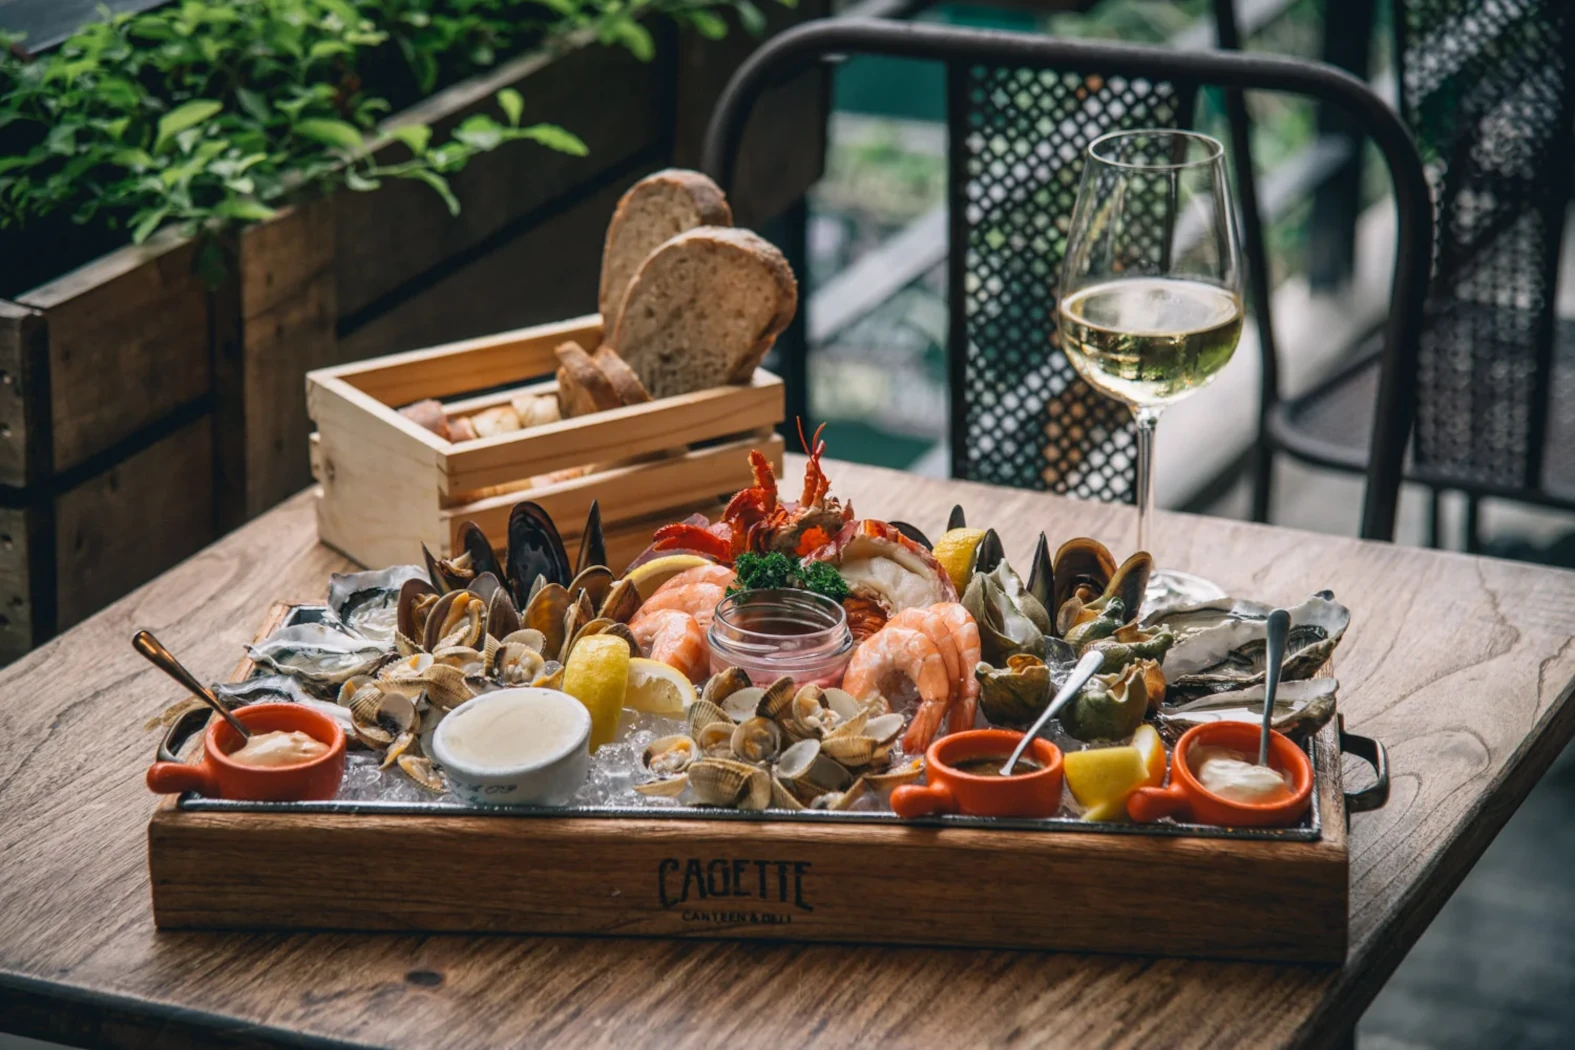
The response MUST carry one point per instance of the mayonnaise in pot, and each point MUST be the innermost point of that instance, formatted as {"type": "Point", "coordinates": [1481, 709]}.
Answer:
{"type": "Point", "coordinates": [278, 749]}
{"type": "Point", "coordinates": [509, 732]}
{"type": "Point", "coordinates": [1230, 774]}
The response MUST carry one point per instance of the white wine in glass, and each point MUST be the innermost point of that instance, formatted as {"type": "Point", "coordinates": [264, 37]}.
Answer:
{"type": "Point", "coordinates": [1150, 299]}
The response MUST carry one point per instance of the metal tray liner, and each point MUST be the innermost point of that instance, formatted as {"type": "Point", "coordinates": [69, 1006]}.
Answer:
{"type": "Point", "coordinates": [180, 733]}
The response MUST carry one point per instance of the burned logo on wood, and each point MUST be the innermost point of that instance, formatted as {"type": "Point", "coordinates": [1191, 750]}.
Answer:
{"type": "Point", "coordinates": [714, 890]}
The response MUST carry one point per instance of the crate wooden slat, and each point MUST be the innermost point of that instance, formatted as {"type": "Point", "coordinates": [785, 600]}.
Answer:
{"type": "Point", "coordinates": [388, 485]}
{"type": "Point", "coordinates": [779, 880]}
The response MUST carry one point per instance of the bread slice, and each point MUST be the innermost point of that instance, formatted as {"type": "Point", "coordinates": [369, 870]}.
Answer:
{"type": "Point", "coordinates": [704, 309]}
{"type": "Point", "coordinates": [583, 388]}
{"type": "Point", "coordinates": [656, 208]}
{"type": "Point", "coordinates": [630, 390]}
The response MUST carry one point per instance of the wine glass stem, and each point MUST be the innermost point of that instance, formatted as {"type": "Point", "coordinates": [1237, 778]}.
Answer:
{"type": "Point", "coordinates": [1147, 422]}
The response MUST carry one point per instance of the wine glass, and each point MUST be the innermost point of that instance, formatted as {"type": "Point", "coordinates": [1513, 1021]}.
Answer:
{"type": "Point", "coordinates": [1151, 303]}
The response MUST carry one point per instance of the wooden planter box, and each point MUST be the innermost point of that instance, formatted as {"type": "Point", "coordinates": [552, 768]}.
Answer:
{"type": "Point", "coordinates": [102, 365]}
{"type": "Point", "coordinates": [388, 485]}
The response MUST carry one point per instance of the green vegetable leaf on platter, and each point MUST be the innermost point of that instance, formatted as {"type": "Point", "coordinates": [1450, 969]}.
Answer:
{"type": "Point", "coordinates": [778, 571]}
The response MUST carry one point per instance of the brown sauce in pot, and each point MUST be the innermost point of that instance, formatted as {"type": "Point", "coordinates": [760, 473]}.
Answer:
{"type": "Point", "coordinates": [990, 766]}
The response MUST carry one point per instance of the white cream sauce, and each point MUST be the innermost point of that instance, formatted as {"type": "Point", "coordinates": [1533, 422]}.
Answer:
{"type": "Point", "coordinates": [509, 732]}
{"type": "Point", "coordinates": [1230, 774]}
{"type": "Point", "coordinates": [279, 749]}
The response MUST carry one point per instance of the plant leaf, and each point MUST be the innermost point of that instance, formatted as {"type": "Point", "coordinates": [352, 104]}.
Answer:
{"type": "Point", "coordinates": [710, 24]}
{"type": "Point", "coordinates": [255, 105]}
{"type": "Point", "coordinates": [244, 209]}
{"type": "Point", "coordinates": [145, 223]}
{"type": "Point", "coordinates": [416, 136]}
{"type": "Point", "coordinates": [335, 133]}
{"type": "Point", "coordinates": [632, 35]}
{"type": "Point", "coordinates": [512, 105]}
{"type": "Point", "coordinates": [554, 137]}
{"type": "Point", "coordinates": [480, 132]}
{"type": "Point", "coordinates": [439, 183]}
{"type": "Point", "coordinates": [750, 18]}
{"type": "Point", "coordinates": [188, 115]}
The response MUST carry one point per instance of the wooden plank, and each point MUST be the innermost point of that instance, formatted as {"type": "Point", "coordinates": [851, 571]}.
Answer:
{"type": "Point", "coordinates": [378, 257]}
{"type": "Point", "coordinates": [783, 151]}
{"type": "Point", "coordinates": [541, 273]}
{"type": "Point", "coordinates": [615, 434]}
{"type": "Point", "coordinates": [27, 578]}
{"type": "Point", "coordinates": [130, 523]}
{"type": "Point", "coordinates": [26, 441]}
{"type": "Point", "coordinates": [288, 308]}
{"type": "Point", "coordinates": [1472, 709]}
{"type": "Point", "coordinates": [467, 365]}
{"type": "Point", "coordinates": [634, 491]}
{"type": "Point", "coordinates": [128, 344]}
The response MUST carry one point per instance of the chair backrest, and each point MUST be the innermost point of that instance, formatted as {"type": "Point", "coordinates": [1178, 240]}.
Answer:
{"type": "Point", "coordinates": [1009, 303]}
{"type": "Point", "coordinates": [1488, 88]}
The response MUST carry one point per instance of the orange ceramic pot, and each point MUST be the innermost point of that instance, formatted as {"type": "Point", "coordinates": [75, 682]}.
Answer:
{"type": "Point", "coordinates": [949, 790]}
{"type": "Point", "coordinates": [1186, 799]}
{"type": "Point", "coordinates": [218, 777]}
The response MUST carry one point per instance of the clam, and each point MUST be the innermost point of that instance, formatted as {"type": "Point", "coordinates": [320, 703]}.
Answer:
{"type": "Point", "coordinates": [808, 773]}
{"type": "Point", "coordinates": [545, 614]}
{"type": "Point", "coordinates": [378, 716]}
{"type": "Point", "coordinates": [883, 729]}
{"type": "Point", "coordinates": [666, 787]}
{"type": "Point", "coordinates": [725, 683]}
{"type": "Point", "coordinates": [484, 586]}
{"type": "Point", "coordinates": [422, 772]}
{"type": "Point", "coordinates": [469, 661]}
{"type": "Point", "coordinates": [1016, 694]}
{"type": "Point", "coordinates": [596, 582]}
{"type": "Point", "coordinates": [319, 655]}
{"type": "Point", "coordinates": [776, 698]}
{"type": "Point", "coordinates": [806, 715]}
{"type": "Point", "coordinates": [725, 782]}
{"type": "Point", "coordinates": [517, 664]}
{"type": "Point", "coordinates": [1230, 654]}
{"type": "Point", "coordinates": [444, 686]}
{"type": "Point", "coordinates": [715, 739]}
{"type": "Point", "coordinates": [1110, 706]}
{"type": "Point", "coordinates": [458, 618]}
{"type": "Point", "coordinates": [782, 796]}
{"type": "Point", "coordinates": [743, 704]}
{"type": "Point", "coordinates": [872, 791]}
{"type": "Point", "coordinates": [621, 603]}
{"type": "Point", "coordinates": [621, 630]}
{"type": "Point", "coordinates": [669, 756]}
{"type": "Point", "coordinates": [578, 615]}
{"type": "Point", "coordinates": [1005, 627]}
{"type": "Point", "coordinates": [368, 602]}
{"type": "Point", "coordinates": [1301, 707]}
{"type": "Point", "coordinates": [703, 713]}
{"type": "Point", "coordinates": [756, 740]}
{"type": "Point", "coordinates": [851, 750]}
{"type": "Point", "coordinates": [528, 637]}
{"type": "Point", "coordinates": [398, 749]}
{"type": "Point", "coordinates": [534, 549]}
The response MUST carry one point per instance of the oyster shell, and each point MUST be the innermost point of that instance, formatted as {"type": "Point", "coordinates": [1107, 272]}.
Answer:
{"type": "Point", "coordinates": [319, 655]}
{"type": "Point", "coordinates": [368, 602]}
{"type": "Point", "coordinates": [1228, 652]}
{"type": "Point", "coordinates": [1301, 708]}
{"type": "Point", "coordinates": [1016, 694]}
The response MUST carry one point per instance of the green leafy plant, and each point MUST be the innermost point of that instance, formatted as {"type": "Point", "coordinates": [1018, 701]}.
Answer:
{"type": "Point", "coordinates": [776, 571]}
{"type": "Point", "coordinates": [209, 113]}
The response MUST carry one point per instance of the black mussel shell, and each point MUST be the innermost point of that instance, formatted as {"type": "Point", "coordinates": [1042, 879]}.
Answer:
{"type": "Point", "coordinates": [913, 533]}
{"type": "Point", "coordinates": [475, 543]}
{"type": "Point", "coordinates": [957, 520]}
{"type": "Point", "coordinates": [434, 574]}
{"type": "Point", "coordinates": [484, 585]}
{"type": "Point", "coordinates": [1041, 576]}
{"type": "Point", "coordinates": [593, 544]}
{"type": "Point", "coordinates": [535, 549]}
{"type": "Point", "coordinates": [989, 553]}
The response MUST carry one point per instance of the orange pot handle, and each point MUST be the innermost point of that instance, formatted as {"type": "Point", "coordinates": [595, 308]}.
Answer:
{"type": "Point", "coordinates": [922, 800]}
{"type": "Point", "coordinates": [174, 778]}
{"type": "Point", "coordinates": [1148, 804]}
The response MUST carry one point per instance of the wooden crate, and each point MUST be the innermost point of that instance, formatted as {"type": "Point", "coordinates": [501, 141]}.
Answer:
{"type": "Point", "coordinates": [388, 485]}
{"type": "Point", "coordinates": [1087, 890]}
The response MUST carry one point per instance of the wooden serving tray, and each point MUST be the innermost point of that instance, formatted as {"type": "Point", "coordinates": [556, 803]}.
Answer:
{"type": "Point", "coordinates": [1078, 887]}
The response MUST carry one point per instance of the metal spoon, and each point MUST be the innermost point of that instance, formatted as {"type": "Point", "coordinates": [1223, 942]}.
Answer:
{"type": "Point", "coordinates": [1092, 661]}
{"type": "Point", "coordinates": [160, 657]}
{"type": "Point", "coordinates": [1279, 627]}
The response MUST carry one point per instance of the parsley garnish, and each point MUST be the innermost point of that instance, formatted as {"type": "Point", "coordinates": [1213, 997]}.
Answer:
{"type": "Point", "coordinates": [776, 571]}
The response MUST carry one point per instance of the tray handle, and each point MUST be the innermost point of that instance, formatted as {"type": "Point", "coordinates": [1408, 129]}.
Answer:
{"type": "Point", "coordinates": [193, 721]}
{"type": "Point", "coordinates": [1372, 752]}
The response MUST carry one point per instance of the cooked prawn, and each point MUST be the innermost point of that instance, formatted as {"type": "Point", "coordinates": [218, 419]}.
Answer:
{"type": "Point", "coordinates": [909, 652]}
{"type": "Point", "coordinates": [965, 636]}
{"type": "Point", "coordinates": [936, 629]}
{"type": "Point", "coordinates": [695, 591]}
{"type": "Point", "coordinates": [673, 637]}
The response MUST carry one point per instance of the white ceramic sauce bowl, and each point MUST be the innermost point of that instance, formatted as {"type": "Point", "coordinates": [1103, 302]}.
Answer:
{"type": "Point", "coordinates": [550, 779]}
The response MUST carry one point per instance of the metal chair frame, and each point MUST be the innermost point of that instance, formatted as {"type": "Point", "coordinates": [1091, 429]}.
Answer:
{"type": "Point", "coordinates": [958, 48]}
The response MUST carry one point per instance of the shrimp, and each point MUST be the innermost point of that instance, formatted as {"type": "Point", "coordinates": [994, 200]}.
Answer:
{"type": "Point", "coordinates": [936, 629]}
{"type": "Point", "coordinates": [965, 636]}
{"type": "Point", "coordinates": [673, 637]}
{"type": "Point", "coordinates": [695, 591]}
{"type": "Point", "coordinates": [909, 652]}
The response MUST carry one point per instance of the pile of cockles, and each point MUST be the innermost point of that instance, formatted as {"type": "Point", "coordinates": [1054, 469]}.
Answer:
{"type": "Point", "coordinates": [792, 655]}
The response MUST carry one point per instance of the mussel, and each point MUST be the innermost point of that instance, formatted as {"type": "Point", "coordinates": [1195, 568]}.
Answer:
{"type": "Point", "coordinates": [535, 550]}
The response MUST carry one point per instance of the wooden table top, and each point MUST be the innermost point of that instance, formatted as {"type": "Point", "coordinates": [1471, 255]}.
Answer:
{"type": "Point", "coordinates": [1462, 666]}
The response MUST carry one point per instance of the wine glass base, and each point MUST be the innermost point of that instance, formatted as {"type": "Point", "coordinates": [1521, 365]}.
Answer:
{"type": "Point", "coordinates": [1168, 587]}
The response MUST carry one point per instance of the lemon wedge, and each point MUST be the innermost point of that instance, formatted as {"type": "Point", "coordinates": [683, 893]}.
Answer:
{"type": "Point", "coordinates": [597, 675]}
{"type": "Point", "coordinates": [1102, 779]}
{"type": "Point", "coordinates": [954, 550]}
{"type": "Point", "coordinates": [657, 688]}
{"type": "Point", "coordinates": [648, 577]}
{"type": "Point", "coordinates": [1152, 748]}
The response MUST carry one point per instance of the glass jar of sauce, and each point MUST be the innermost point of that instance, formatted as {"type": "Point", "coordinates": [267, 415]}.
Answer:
{"type": "Point", "coordinates": [771, 633]}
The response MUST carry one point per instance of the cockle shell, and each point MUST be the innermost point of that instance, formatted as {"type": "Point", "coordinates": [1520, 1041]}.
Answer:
{"type": "Point", "coordinates": [725, 782]}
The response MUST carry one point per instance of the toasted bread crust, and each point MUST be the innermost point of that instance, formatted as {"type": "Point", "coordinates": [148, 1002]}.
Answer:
{"type": "Point", "coordinates": [619, 263]}
{"type": "Point", "coordinates": [583, 388]}
{"type": "Point", "coordinates": [630, 390]}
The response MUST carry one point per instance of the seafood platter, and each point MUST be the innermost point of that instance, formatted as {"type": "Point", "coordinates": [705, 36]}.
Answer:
{"type": "Point", "coordinates": [788, 722]}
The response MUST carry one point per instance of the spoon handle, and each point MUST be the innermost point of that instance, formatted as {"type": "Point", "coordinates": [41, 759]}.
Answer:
{"type": "Point", "coordinates": [164, 660]}
{"type": "Point", "coordinates": [1278, 628]}
{"type": "Point", "coordinates": [1091, 662]}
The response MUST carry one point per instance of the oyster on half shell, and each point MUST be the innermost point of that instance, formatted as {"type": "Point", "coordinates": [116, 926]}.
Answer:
{"type": "Point", "coordinates": [368, 602]}
{"type": "Point", "coordinates": [1301, 708]}
{"type": "Point", "coordinates": [1219, 650]}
